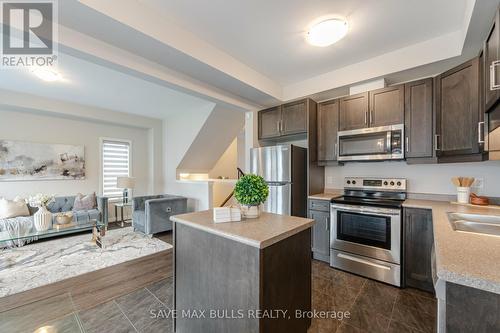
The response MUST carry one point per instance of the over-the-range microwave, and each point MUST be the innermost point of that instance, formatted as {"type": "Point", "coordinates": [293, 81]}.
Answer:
{"type": "Point", "coordinates": [375, 143]}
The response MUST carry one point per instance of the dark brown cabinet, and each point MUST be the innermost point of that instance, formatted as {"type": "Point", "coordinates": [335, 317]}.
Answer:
{"type": "Point", "coordinates": [418, 242]}
{"type": "Point", "coordinates": [270, 123]}
{"type": "Point", "coordinates": [328, 122]}
{"type": "Point", "coordinates": [283, 120]}
{"type": "Point", "coordinates": [386, 106]}
{"type": "Point", "coordinates": [491, 68]}
{"type": "Point", "coordinates": [354, 112]}
{"type": "Point", "coordinates": [319, 211]}
{"type": "Point", "coordinates": [419, 123]}
{"type": "Point", "coordinates": [458, 114]}
{"type": "Point", "coordinates": [294, 118]}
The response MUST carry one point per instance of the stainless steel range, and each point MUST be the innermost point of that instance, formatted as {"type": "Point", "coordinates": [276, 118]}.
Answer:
{"type": "Point", "coordinates": [366, 228]}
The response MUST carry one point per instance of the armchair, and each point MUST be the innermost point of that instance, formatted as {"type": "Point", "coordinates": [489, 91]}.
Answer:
{"type": "Point", "coordinates": [151, 213]}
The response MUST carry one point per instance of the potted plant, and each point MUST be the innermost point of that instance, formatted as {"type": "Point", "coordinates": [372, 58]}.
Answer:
{"type": "Point", "coordinates": [251, 191]}
{"type": "Point", "coordinates": [42, 217]}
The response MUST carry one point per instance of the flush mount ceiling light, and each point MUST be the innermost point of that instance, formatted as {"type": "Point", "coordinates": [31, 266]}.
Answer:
{"type": "Point", "coordinates": [46, 74]}
{"type": "Point", "coordinates": [327, 32]}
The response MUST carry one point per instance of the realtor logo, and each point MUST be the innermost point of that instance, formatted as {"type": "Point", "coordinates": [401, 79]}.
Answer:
{"type": "Point", "coordinates": [28, 33]}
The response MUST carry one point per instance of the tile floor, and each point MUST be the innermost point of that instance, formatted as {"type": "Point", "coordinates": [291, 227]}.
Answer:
{"type": "Point", "coordinates": [373, 307]}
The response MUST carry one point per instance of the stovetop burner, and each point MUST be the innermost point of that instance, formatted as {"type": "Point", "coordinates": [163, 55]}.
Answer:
{"type": "Point", "coordinates": [382, 192]}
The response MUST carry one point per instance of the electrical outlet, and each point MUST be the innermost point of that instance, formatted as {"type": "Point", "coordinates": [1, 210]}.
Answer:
{"type": "Point", "coordinates": [478, 183]}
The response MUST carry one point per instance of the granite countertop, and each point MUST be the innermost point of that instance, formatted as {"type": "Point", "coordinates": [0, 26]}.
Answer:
{"type": "Point", "coordinates": [261, 232]}
{"type": "Point", "coordinates": [329, 194]}
{"type": "Point", "coordinates": [464, 258]}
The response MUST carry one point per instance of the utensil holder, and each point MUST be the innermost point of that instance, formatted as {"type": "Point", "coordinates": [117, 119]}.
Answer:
{"type": "Point", "coordinates": [463, 194]}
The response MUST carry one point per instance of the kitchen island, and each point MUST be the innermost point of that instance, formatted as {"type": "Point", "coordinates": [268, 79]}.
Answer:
{"type": "Point", "coordinates": [249, 276]}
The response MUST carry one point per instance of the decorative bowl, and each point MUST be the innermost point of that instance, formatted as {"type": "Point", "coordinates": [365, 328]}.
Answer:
{"type": "Point", "coordinates": [64, 219]}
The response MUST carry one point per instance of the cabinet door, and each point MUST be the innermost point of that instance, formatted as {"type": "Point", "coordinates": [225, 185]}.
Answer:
{"type": "Point", "coordinates": [491, 54]}
{"type": "Point", "coordinates": [457, 110]}
{"type": "Point", "coordinates": [328, 122]}
{"type": "Point", "coordinates": [320, 235]}
{"type": "Point", "coordinates": [418, 248]}
{"type": "Point", "coordinates": [294, 118]}
{"type": "Point", "coordinates": [354, 112]}
{"type": "Point", "coordinates": [419, 123]}
{"type": "Point", "coordinates": [387, 106]}
{"type": "Point", "coordinates": [269, 123]}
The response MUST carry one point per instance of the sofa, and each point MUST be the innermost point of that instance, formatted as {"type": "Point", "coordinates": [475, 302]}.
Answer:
{"type": "Point", "coordinates": [151, 214]}
{"type": "Point", "coordinates": [25, 224]}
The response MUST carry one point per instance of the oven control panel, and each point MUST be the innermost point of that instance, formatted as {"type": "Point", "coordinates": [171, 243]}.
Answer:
{"type": "Point", "coordinates": [361, 183]}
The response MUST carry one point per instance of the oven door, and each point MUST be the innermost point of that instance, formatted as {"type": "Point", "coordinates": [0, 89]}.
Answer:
{"type": "Point", "coordinates": [377, 143]}
{"type": "Point", "coordinates": [368, 231]}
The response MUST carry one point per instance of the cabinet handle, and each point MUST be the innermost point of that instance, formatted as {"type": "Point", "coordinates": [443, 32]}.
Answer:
{"type": "Point", "coordinates": [436, 145]}
{"type": "Point", "coordinates": [335, 153]}
{"type": "Point", "coordinates": [327, 226]}
{"type": "Point", "coordinates": [493, 84]}
{"type": "Point", "coordinates": [370, 118]}
{"type": "Point", "coordinates": [366, 118]}
{"type": "Point", "coordinates": [281, 125]}
{"type": "Point", "coordinates": [407, 143]}
{"type": "Point", "coordinates": [480, 135]}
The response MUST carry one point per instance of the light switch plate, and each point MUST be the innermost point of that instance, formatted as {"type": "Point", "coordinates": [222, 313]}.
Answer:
{"type": "Point", "coordinates": [478, 183]}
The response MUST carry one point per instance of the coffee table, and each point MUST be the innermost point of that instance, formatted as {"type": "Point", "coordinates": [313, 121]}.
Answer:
{"type": "Point", "coordinates": [95, 225]}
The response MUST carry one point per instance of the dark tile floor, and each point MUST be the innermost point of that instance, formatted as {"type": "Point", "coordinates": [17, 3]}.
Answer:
{"type": "Point", "coordinates": [373, 307]}
{"type": "Point", "coordinates": [368, 307]}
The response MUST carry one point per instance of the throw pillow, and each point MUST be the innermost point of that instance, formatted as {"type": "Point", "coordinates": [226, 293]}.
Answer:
{"type": "Point", "coordinates": [86, 202]}
{"type": "Point", "coordinates": [13, 208]}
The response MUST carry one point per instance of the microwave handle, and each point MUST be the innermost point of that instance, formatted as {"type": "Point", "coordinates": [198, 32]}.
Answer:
{"type": "Point", "coordinates": [389, 141]}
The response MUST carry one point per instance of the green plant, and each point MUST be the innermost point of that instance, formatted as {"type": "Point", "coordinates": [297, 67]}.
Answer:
{"type": "Point", "coordinates": [251, 190]}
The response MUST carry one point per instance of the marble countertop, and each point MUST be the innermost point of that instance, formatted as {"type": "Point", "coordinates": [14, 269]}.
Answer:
{"type": "Point", "coordinates": [261, 232]}
{"type": "Point", "coordinates": [329, 194]}
{"type": "Point", "coordinates": [464, 258]}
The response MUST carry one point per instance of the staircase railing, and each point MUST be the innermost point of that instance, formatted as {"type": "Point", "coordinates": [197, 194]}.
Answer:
{"type": "Point", "coordinates": [240, 174]}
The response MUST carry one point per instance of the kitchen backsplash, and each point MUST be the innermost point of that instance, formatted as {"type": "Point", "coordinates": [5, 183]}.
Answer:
{"type": "Point", "coordinates": [422, 178]}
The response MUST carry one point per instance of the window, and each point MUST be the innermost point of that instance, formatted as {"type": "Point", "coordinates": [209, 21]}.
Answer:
{"type": "Point", "coordinates": [115, 163]}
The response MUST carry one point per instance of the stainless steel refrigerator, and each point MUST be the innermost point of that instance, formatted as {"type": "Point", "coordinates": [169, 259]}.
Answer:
{"type": "Point", "coordinates": [284, 168]}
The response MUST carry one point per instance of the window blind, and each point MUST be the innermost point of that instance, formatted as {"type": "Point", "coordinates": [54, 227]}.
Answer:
{"type": "Point", "coordinates": [115, 163]}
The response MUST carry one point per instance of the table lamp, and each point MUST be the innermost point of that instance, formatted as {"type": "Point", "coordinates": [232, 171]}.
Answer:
{"type": "Point", "coordinates": [125, 183]}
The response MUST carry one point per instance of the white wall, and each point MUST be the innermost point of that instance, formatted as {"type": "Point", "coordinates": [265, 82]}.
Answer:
{"type": "Point", "coordinates": [43, 128]}
{"type": "Point", "coordinates": [227, 163]}
{"type": "Point", "coordinates": [179, 132]}
{"type": "Point", "coordinates": [424, 178]}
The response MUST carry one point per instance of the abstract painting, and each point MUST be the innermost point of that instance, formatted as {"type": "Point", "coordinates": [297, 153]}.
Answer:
{"type": "Point", "coordinates": [21, 160]}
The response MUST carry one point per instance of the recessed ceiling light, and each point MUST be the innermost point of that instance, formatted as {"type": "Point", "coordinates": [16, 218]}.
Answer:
{"type": "Point", "coordinates": [327, 32]}
{"type": "Point", "coordinates": [46, 74]}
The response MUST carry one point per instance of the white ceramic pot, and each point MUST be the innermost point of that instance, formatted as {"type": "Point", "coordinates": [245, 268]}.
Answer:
{"type": "Point", "coordinates": [250, 212]}
{"type": "Point", "coordinates": [42, 219]}
{"type": "Point", "coordinates": [463, 194]}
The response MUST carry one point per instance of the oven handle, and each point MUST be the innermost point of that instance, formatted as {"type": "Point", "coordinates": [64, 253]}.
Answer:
{"type": "Point", "coordinates": [365, 209]}
{"type": "Point", "coordinates": [362, 261]}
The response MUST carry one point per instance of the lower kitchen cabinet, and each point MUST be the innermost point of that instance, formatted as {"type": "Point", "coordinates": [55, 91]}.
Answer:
{"type": "Point", "coordinates": [320, 229]}
{"type": "Point", "coordinates": [418, 242]}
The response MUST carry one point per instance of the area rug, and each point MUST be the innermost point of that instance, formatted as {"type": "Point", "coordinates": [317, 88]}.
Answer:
{"type": "Point", "coordinates": [42, 263]}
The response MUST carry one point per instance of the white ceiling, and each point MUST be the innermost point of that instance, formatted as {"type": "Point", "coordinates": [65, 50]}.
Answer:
{"type": "Point", "coordinates": [94, 85]}
{"type": "Point", "coordinates": [268, 36]}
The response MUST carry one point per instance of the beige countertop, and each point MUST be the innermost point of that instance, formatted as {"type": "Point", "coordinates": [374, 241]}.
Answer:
{"type": "Point", "coordinates": [261, 232]}
{"type": "Point", "coordinates": [461, 257]}
{"type": "Point", "coordinates": [329, 194]}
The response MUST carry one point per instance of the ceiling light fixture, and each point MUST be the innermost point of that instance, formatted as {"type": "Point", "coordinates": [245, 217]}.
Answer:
{"type": "Point", "coordinates": [46, 74]}
{"type": "Point", "coordinates": [327, 32]}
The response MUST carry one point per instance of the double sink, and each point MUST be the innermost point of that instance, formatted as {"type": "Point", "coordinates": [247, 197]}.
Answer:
{"type": "Point", "coordinates": [475, 223]}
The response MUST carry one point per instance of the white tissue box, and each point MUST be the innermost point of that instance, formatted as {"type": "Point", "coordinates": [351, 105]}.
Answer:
{"type": "Point", "coordinates": [227, 214]}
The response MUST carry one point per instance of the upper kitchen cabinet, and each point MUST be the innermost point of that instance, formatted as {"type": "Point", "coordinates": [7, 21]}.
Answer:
{"type": "Point", "coordinates": [386, 106]}
{"type": "Point", "coordinates": [328, 122]}
{"type": "Point", "coordinates": [491, 65]}
{"type": "Point", "coordinates": [284, 120]}
{"type": "Point", "coordinates": [270, 123]}
{"type": "Point", "coordinates": [294, 118]}
{"type": "Point", "coordinates": [419, 124]}
{"type": "Point", "coordinates": [353, 112]}
{"type": "Point", "coordinates": [459, 126]}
